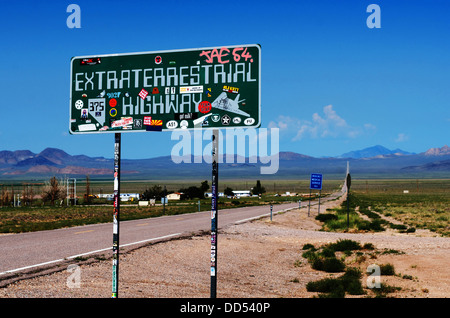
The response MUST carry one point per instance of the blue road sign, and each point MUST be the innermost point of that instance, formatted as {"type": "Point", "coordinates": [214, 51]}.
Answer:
{"type": "Point", "coordinates": [316, 181]}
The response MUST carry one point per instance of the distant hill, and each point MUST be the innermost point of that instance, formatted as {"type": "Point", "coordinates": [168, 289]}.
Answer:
{"type": "Point", "coordinates": [51, 161]}
{"type": "Point", "coordinates": [373, 162]}
{"type": "Point", "coordinates": [438, 151]}
{"type": "Point", "coordinates": [13, 157]}
{"type": "Point", "coordinates": [443, 165]}
{"type": "Point", "coordinates": [373, 152]}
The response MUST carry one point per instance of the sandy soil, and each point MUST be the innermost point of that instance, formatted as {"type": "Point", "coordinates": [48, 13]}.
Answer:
{"type": "Point", "coordinates": [262, 258]}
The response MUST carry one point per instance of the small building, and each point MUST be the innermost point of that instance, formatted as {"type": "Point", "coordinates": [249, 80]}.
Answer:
{"type": "Point", "coordinates": [129, 196]}
{"type": "Point", "coordinates": [123, 196]}
{"type": "Point", "coordinates": [243, 193]}
{"type": "Point", "coordinates": [174, 196]}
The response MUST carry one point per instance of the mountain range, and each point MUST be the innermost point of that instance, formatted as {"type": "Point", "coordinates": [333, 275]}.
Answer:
{"type": "Point", "coordinates": [372, 162]}
{"type": "Point", "coordinates": [373, 152]}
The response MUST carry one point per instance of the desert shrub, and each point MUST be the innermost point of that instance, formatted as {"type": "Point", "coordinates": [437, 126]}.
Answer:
{"type": "Point", "coordinates": [387, 269]}
{"type": "Point", "coordinates": [363, 225]}
{"type": "Point", "coordinates": [398, 226]}
{"type": "Point", "coordinates": [368, 246]}
{"type": "Point", "coordinates": [310, 255]}
{"type": "Point", "coordinates": [369, 213]}
{"type": "Point", "coordinates": [308, 246]}
{"type": "Point", "coordinates": [410, 230]}
{"type": "Point", "coordinates": [325, 285]}
{"type": "Point", "coordinates": [354, 287]}
{"type": "Point", "coordinates": [328, 264]}
{"type": "Point", "coordinates": [327, 252]}
{"type": "Point", "coordinates": [352, 272]}
{"type": "Point", "coordinates": [376, 226]}
{"type": "Point", "coordinates": [326, 217]}
{"type": "Point", "coordinates": [351, 281]}
{"type": "Point", "coordinates": [385, 289]}
{"type": "Point", "coordinates": [337, 287]}
{"type": "Point", "coordinates": [344, 245]}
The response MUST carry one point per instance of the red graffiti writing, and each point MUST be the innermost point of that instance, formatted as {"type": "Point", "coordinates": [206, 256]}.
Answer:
{"type": "Point", "coordinates": [220, 56]}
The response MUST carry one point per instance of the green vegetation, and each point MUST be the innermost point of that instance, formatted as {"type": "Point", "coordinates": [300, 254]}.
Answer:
{"type": "Point", "coordinates": [387, 269]}
{"type": "Point", "coordinates": [419, 204]}
{"type": "Point", "coordinates": [424, 211]}
{"type": "Point", "coordinates": [384, 290]}
{"type": "Point", "coordinates": [337, 287]}
{"type": "Point", "coordinates": [334, 258]}
{"type": "Point", "coordinates": [425, 206]}
{"type": "Point", "coordinates": [324, 259]}
{"type": "Point", "coordinates": [341, 220]}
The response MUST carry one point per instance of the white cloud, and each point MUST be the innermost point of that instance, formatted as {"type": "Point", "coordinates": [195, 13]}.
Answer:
{"type": "Point", "coordinates": [326, 125]}
{"type": "Point", "coordinates": [401, 137]}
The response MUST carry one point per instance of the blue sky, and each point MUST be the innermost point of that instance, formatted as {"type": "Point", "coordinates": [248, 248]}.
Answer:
{"type": "Point", "coordinates": [329, 83]}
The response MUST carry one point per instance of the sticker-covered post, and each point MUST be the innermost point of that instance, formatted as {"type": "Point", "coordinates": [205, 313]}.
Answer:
{"type": "Point", "coordinates": [115, 269]}
{"type": "Point", "coordinates": [214, 216]}
{"type": "Point", "coordinates": [348, 182]}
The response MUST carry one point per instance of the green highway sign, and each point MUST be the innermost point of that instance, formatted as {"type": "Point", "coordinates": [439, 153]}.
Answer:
{"type": "Point", "coordinates": [216, 87]}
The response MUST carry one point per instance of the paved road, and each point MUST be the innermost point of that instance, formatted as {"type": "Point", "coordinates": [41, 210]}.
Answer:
{"type": "Point", "coordinates": [25, 251]}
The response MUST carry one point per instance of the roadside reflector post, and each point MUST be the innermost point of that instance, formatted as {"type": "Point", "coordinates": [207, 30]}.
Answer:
{"type": "Point", "coordinates": [115, 269]}
{"type": "Point", "coordinates": [348, 183]}
{"type": "Point", "coordinates": [214, 214]}
{"type": "Point", "coordinates": [271, 208]}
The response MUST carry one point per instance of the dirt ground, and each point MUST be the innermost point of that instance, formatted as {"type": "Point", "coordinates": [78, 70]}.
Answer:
{"type": "Point", "coordinates": [259, 259]}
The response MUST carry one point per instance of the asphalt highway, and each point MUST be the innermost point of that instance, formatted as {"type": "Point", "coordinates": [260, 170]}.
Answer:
{"type": "Point", "coordinates": [32, 250]}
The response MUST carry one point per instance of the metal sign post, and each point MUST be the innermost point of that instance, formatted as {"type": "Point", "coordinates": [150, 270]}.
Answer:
{"type": "Point", "coordinates": [214, 214]}
{"type": "Point", "coordinates": [115, 269]}
{"type": "Point", "coordinates": [349, 181]}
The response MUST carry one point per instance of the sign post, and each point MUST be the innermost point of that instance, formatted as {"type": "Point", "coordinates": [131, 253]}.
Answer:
{"type": "Point", "coordinates": [214, 214]}
{"type": "Point", "coordinates": [115, 269]}
{"type": "Point", "coordinates": [349, 182]}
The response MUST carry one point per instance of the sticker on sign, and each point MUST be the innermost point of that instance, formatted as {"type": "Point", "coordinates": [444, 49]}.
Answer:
{"type": "Point", "coordinates": [191, 89]}
{"type": "Point", "coordinates": [122, 122]}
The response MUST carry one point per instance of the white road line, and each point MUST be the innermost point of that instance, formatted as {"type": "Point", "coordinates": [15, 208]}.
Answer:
{"type": "Point", "coordinates": [87, 253]}
{"type": "Point", "coordinates": [152, 239]}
